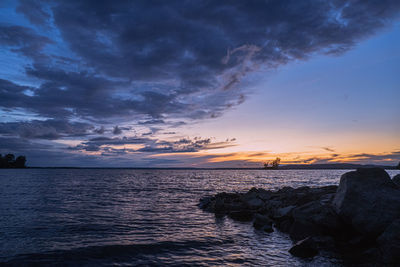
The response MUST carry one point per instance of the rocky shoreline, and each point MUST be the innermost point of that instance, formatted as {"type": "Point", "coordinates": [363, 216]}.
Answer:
{"type": "Point", "coordinates": [359, 220]}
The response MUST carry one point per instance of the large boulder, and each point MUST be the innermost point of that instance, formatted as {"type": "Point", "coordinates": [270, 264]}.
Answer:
{"type": "Point", "coordinates": [389, 243]}
{"type": "Point", "coordinates": [368, 200]}
{"type": "Point", "coordinates": [396, 180]}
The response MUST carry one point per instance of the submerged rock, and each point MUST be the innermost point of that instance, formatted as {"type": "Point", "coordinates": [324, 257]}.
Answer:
{"type": "Point", "coordinates": [305, 248]}
{"type": "Point", "coordinates": [368, 200]}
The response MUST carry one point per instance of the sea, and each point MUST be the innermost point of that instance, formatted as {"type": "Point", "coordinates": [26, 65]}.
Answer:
{"type": "Point", "coordinates": [140, 217]}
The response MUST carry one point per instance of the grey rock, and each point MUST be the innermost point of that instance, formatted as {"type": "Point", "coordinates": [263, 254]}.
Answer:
{"type": "Point", "coordinates": [368, 200]}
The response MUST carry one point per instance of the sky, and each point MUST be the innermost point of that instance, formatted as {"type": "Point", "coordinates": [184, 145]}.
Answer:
{"type": "Point", "coordinates": [200, 83]}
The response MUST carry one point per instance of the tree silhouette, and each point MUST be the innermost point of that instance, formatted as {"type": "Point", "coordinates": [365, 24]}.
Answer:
{"type": "Point", "coordinates": [9, 158]}
{"type": "Point", "coordinates": [9, 161]}
{"type": "Point", "coordinates": [398, 166]}
{"type": "Point", "coordinates": [275, 163]}
{"type": "Point", "coordinates": [20, 162]}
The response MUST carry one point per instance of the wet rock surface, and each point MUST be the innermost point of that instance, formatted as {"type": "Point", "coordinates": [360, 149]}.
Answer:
{"type": "Point", "coordinates": [359, 220]}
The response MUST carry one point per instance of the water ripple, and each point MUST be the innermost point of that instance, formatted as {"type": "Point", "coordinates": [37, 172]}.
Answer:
{"type": "Point", "coordinates": [139, 217]}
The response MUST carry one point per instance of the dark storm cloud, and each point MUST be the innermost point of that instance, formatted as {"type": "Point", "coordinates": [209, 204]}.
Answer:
{"type": "Point", "coordinates": [48, 129]}
{"type": "Point", "coordinates": [24, 40]}
{"type": "Point", "coordinates": [175, 58]}
{"type": "Point", "coordinates": [34, 11]}
{"type": "Point", "coordinates": [19, 145]}
{"type": "Point", "coordinates": [104, 143]}
{"type": "Point", "coordinates": [161, 63]}
{"type": "Point", "coordinates": [117, 141]}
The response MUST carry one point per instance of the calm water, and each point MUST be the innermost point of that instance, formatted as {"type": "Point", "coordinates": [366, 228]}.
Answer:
{"type": "Point", "coordinates": [139, 217]}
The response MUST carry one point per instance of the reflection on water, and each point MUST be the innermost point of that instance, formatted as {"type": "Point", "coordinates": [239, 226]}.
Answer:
{"type": "Point", "coordinates": [145, 217]}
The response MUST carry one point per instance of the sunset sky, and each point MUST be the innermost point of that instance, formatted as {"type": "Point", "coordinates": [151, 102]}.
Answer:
{"type": "Point", "coordinates": [200, 83]}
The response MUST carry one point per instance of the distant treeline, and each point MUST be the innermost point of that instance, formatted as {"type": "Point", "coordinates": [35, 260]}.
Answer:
{"type": "Point", "coordinates": [9, 161]}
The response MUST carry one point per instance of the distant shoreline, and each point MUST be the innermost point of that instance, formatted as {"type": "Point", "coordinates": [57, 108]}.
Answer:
{"type": "Point", "coordinates": [339, 166]}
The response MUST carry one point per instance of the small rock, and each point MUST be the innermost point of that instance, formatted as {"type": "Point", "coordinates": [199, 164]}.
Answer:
{"type": "Point", "coordinates": [305, 248]}
{"type": "Point", "coordinates": [263, 222]}
{"type": "Point", "coordinates": [206, 202]}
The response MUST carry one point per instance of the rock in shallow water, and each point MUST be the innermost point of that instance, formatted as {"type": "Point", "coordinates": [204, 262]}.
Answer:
{"type": "Point", "coordinates": [263, 222]}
